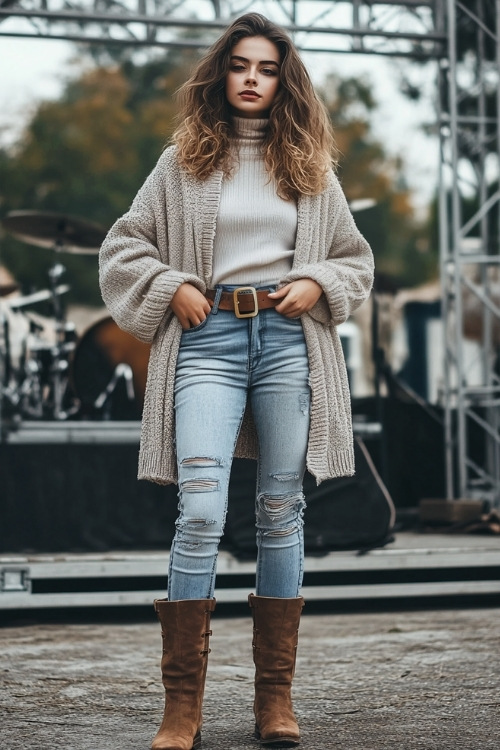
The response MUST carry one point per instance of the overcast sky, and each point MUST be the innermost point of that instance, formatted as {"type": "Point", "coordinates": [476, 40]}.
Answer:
{"type": "Point", "coordinates": [35, 69]}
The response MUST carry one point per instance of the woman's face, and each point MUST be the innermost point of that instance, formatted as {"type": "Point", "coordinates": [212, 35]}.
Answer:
{"type": "Point", "coordinates": [254, 76]}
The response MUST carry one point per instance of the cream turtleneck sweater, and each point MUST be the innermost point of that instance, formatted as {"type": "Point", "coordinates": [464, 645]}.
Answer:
{"type": "Point", "coordinates": [255, 231]}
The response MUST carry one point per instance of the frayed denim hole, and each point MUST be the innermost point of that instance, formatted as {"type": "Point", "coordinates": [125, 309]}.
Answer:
{"type": "Point", "coordinates": [304, 403]}
{"type": "Point", "coordinates": [277, 507]}
{"type": "Point", "coordinates": [188, 531]}
{"type": "Point", "coordinates": [286, 476]}
{"type": "Point", "coordinates": [202, 461]}
{"type": "Point", "coordinates": [195, 523]}
{"type": "Point", "coordinates": [200, 485]}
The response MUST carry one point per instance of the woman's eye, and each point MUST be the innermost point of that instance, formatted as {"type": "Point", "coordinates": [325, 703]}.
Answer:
{"type": "Point", "coordinates": [269, 71]}
{"type": "Point", "coordinates": [237, 68]}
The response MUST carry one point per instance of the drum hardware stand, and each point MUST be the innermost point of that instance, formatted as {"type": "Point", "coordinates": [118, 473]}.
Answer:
{"type": "Point", "coordinates": [65, 344]}
{"type": "Point", "coordinates": [31, 392]}
{"type": "Point", "coordinates": [103, 401]}
{"type": "Point", "coordinates": [44, 390]}
{"type": "Point", "coordinates": [10, 396]}
{"type": "Point", "coordinates": [43, 393]}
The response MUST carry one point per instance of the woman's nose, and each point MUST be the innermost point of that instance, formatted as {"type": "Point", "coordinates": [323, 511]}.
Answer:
{"type": "Point", "coordinates": [251, 78]}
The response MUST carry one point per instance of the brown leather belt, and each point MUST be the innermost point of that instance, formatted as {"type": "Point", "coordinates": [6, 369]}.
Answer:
{"type": "Point", "coordinates": [245, 301]}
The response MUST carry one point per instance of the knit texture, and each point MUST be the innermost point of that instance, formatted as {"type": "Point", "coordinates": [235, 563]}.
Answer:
{"type": "Point", "coordinates": [166, 239]}
{"type": "Point", "coordinates": [255, 236]}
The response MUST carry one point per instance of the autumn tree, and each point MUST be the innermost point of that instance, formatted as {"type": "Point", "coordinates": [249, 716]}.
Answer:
{"type": "Point", "coordinates": [86, 155]}
{"type": "Point", "coordinates": [400, 243]}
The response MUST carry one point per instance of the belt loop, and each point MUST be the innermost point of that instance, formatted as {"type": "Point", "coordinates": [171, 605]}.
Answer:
{"type": "Point", "coordinates": [218, 295]}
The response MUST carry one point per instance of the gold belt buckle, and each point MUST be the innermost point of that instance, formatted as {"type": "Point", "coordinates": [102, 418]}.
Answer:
{"type": "Point", "coordinates": [237, 312]}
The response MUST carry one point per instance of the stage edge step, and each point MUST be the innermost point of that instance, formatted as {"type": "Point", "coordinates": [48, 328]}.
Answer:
{"type": "Point", "coordinates": [457, 566]}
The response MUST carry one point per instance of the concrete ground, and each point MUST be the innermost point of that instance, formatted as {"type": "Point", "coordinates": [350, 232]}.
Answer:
{"type": "Point", "coordinates": [373, 681]}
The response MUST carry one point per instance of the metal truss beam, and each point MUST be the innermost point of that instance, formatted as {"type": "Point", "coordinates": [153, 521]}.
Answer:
{"type": "Point", "coordinates": [470, 251]}
{"type": "Point", "coordinates": [385, 27]}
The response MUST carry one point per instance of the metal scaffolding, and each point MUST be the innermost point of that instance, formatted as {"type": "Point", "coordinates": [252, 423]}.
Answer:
{"type": "Point", "coordinates": [470, 257]}
{"type": "Point", "coordinates": [385, 27]}
{"type": "Point", "coordinates": [463, 36]}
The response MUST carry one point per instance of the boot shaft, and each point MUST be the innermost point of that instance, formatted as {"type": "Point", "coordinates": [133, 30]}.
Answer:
{"type": "Point", "coordinates": [275, 635]}
{"type": "Point", "coordinates": [185, 629]}
{"type": "Point", "coordinates": [275, 638]}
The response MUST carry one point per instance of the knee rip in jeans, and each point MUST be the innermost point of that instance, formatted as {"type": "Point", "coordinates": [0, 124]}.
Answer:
{"type": "Point", "coordinates": [187, 532]}
{"type": "Point", "coordinates": [200, 484]}
{"type": "Point", "coordinates": [277, 507]}
{"type": "Point", "coordinates": [286, 476]}
{"type": "Point", "coordinates": [195, 524]}
{"type": "Point", "coordinates": [201, 461]}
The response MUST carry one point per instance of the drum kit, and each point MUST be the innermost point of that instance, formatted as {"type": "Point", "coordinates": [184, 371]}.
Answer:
{"type": "Point", "coordinates": [47, 372]}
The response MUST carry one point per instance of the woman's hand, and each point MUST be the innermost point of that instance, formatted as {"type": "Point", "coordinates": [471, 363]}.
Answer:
{"type": "Point", "coordinates": [298, 297]}
{"type": "Point", "coordinates": [190, 306]}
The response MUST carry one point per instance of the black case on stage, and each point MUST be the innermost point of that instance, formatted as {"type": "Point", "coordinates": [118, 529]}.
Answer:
{"type": "Point", "coordinates": [85, 498]}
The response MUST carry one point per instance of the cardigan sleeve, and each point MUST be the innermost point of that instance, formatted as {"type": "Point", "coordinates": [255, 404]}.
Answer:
{"type": "Point", "coordinates": [346, 275]}
{"type": "Point", "coordinates": [136, 283]}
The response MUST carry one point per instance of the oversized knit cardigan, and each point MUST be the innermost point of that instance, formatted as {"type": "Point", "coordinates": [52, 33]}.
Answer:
{"type": "Point", "coordinates": [166, 239]}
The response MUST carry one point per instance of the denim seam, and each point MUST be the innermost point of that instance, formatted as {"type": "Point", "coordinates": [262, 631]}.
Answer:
{"type": "Point", "coordinates": [224, 513]}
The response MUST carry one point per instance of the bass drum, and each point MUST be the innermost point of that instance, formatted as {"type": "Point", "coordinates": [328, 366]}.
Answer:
{"type": "Point", "coordinates": [100, 350]}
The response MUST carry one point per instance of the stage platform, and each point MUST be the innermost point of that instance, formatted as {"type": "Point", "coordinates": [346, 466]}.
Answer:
{"type": "Point", "coordinates": [84, 432]}
{"type": "Point", "coordinates": [113, 432]}
{"type": "Point", "coordinates": [413, 566]}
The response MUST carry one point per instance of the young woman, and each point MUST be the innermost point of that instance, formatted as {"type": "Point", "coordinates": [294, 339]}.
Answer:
{"type": "Point", "coordinates": [237, 260]}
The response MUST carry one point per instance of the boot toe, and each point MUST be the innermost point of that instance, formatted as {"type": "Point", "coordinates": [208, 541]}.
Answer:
{"type": "Point", "coordinates": [163, 741]}
{"type": "Point", "coordinates": [277, 737]}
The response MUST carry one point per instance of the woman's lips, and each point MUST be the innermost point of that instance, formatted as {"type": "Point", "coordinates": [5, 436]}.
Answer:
{"type": "Point", "coordinates": [250, 95]}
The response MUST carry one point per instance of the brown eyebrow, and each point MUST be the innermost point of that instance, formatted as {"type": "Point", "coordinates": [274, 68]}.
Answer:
{"type": "Point", "coordinates": [261, 62]}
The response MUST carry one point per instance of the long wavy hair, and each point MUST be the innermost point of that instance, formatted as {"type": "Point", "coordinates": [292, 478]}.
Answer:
{"type": "Point", "coordinates": [298, 148]}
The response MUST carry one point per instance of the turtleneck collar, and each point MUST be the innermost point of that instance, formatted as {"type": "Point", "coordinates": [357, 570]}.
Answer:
{"type": "Point", "coordinates": [249, 133]}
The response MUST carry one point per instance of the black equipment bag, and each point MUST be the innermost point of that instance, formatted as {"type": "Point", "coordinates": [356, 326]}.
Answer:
{"type": "Point", "coordinates": [346, 513]}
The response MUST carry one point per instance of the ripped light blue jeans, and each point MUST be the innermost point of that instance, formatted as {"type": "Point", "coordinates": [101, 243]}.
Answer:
{"type": "Point", "coordinates": [221, 363]}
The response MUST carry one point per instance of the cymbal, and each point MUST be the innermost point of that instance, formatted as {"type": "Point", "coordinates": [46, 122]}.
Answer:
{"type": "Point", "coordinates": [68, 234]}
{"type": "Point", "coordinates": [41, 296]}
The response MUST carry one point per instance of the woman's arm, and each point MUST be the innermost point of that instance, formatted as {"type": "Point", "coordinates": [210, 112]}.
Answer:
{"type": "Point", "coordinates": [346, 275]}
{"type": "Point", "coordinates": [137, 286]}
{"type": "Point", "coordinates": [297, 298]}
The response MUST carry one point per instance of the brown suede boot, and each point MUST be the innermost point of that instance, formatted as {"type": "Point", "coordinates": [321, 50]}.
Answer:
{"type": "Point", "coordinates": [275, 637]}
{"type": "Point", "coordinates": [185, 628]}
